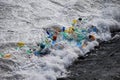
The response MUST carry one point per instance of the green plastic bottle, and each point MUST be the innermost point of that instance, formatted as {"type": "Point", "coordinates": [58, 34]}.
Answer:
{"type": "Point", "coordinates": [29, 51]}
{"type": "Point", "coordinates": [1, 55]}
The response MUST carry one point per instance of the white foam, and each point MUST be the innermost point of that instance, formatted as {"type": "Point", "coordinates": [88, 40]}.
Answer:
{"type": "Point", "coordinates": [26, 19]}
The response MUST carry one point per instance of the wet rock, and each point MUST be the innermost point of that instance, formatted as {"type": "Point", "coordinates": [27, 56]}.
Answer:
{"type": "Point", "coordinates": [100, 64]}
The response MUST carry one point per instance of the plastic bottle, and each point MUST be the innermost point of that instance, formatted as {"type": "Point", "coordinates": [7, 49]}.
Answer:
{"type": "Point", "coordinates": [7, 55]}
{"type": "Point", "coordinates": [54, 37]}
{"type": "Point", "coordinates": [42, 45]}
{"type": "Point", "coordinates": [74, 22]}
{"type": "Point", "coordinates": [63, 29]}
{"type": "Point", "coordinates": [29, 51]}
{"type": "Point", "coordinates": [1, 55]}
{"type": "Point", "coordinates": [20, 44]}
{"type": "Point", "coordinates": [92, 37]}
{"type": "Point", "coordinates": [78, 44]}
{"type": "Point", "coordinates": [37, 53]}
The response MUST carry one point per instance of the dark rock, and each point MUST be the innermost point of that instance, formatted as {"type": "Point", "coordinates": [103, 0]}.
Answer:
{"type": "Point", "coordinates": [100, 64]}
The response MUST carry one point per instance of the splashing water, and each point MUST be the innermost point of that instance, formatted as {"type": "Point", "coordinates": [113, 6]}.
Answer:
{"type": "Point", "coordinates": [24, 20]}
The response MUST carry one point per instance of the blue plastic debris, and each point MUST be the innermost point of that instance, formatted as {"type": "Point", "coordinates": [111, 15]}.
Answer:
{"type": "Point", "coordinates": [42, 45]}
{"type": "Point", "coordinates": [63, 29]}
{"type": "Point", "coordinates": [37, 53]}
{"type": "Point", "coordinates": [78, 44]}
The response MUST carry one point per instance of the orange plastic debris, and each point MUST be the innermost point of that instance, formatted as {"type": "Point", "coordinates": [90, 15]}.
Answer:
{"type": "Point", "coordinates": [7, 55]}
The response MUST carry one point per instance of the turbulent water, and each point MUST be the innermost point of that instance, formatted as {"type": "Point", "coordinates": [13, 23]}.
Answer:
{"type": "Point", "coordinates": [23, 20]}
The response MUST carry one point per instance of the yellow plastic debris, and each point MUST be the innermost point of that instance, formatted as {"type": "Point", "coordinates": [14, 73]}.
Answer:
{"type": "Point", "coordinates": [70, 30]}
{"type": "Point", "coordinates": [20, 44]}
{"type": "Point", "coordinates": [74, 21]}
{"type": "Point", "coordinates": [67, 31]}
{"type": "Point", "coordinates": [7, 55]}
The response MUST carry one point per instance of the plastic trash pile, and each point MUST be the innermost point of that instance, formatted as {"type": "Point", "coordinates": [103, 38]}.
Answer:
{"type": "Point", "coordinates": [74, 36]}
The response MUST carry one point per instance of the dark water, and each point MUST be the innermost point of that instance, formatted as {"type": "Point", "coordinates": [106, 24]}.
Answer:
{"type": "Point", "coordinates": [101, 64]}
